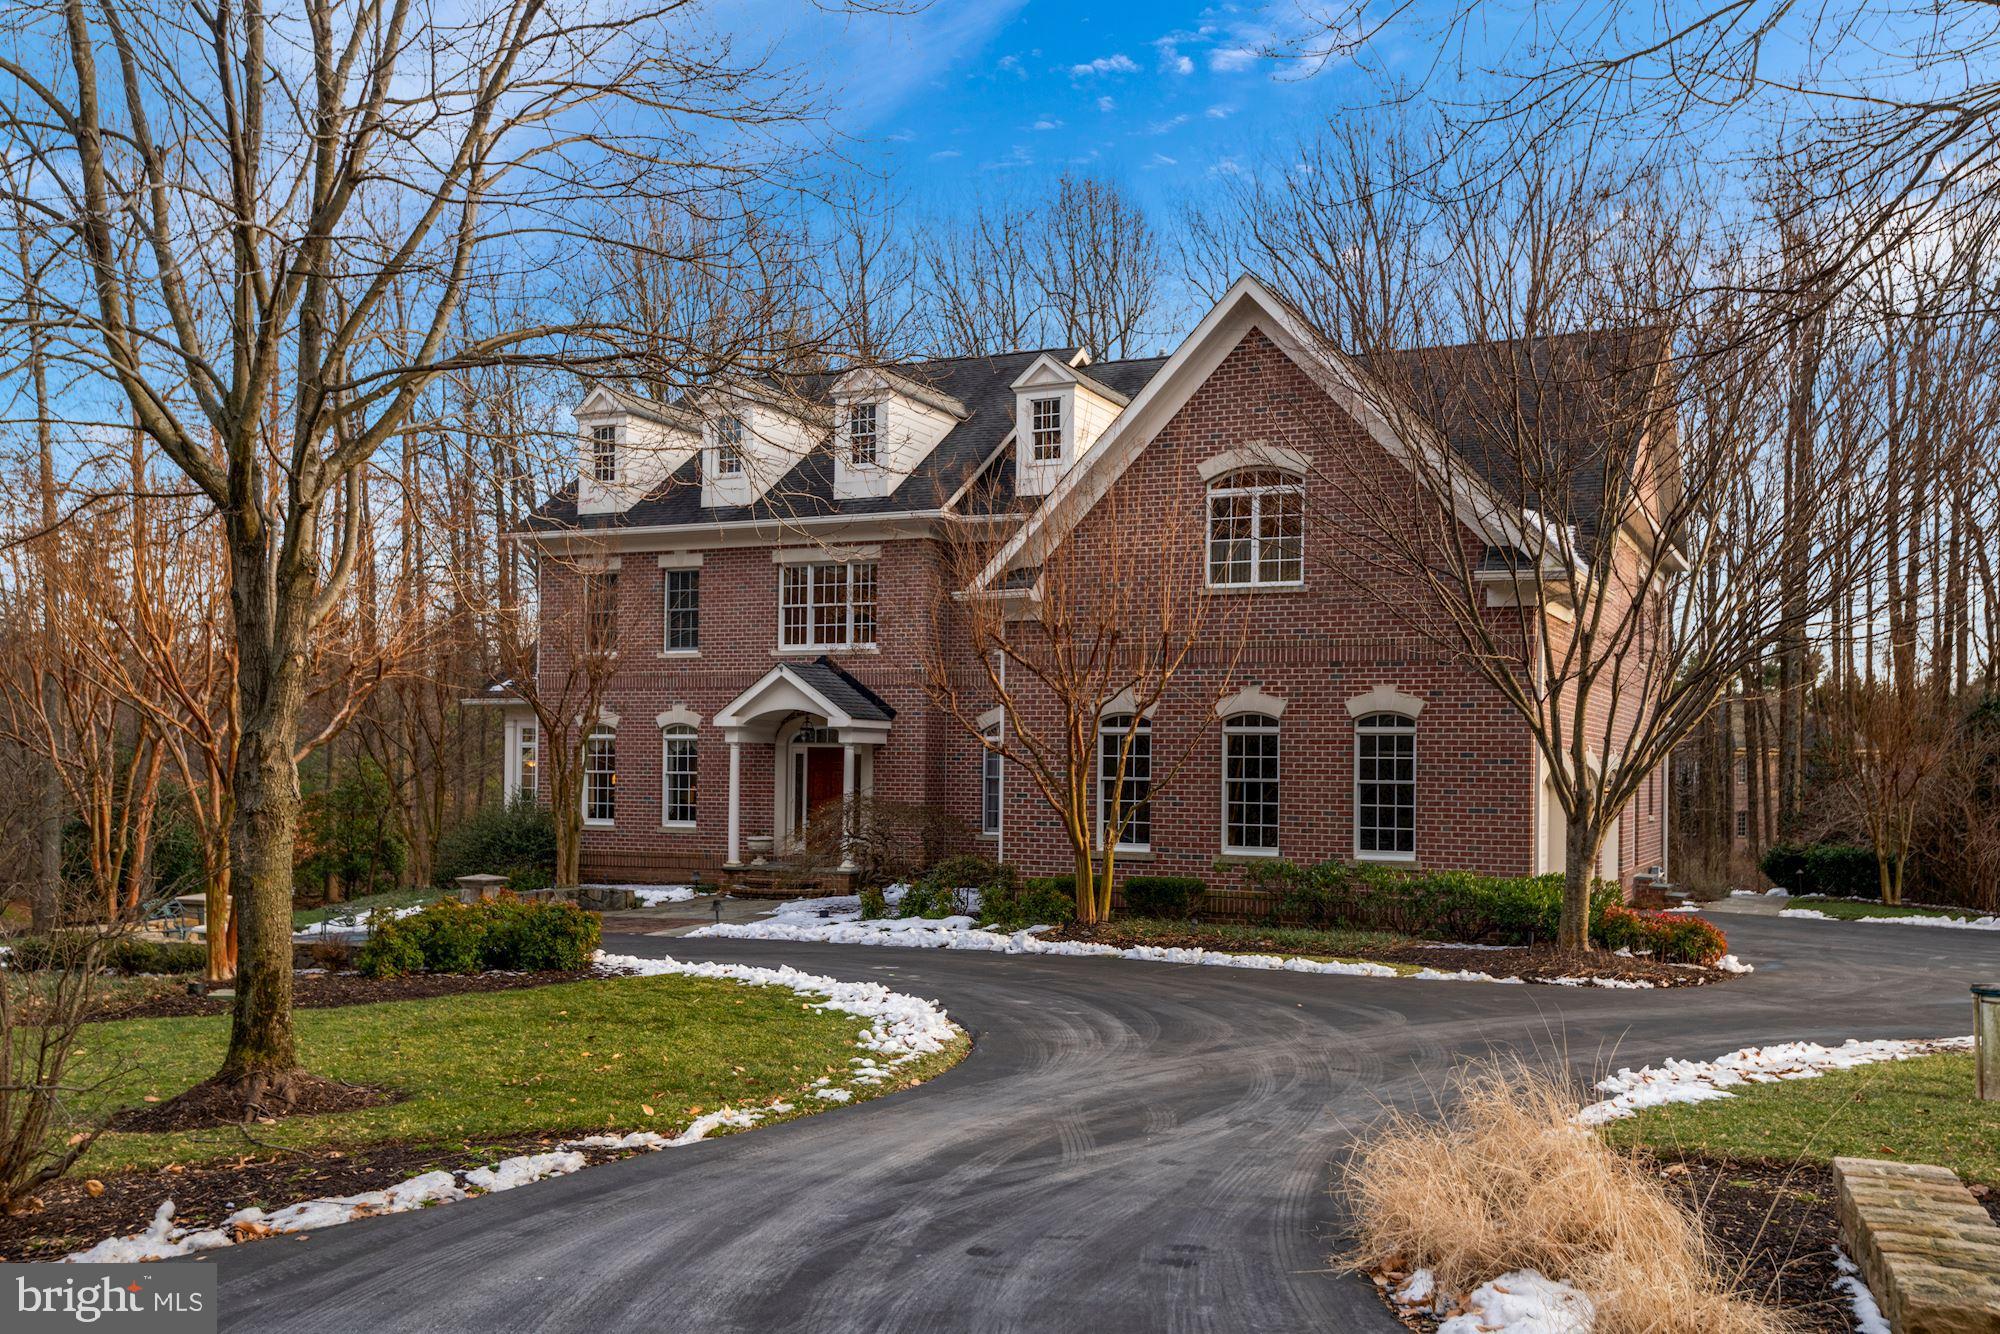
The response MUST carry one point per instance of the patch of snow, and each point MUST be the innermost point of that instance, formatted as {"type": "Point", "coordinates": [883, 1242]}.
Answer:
{"type": "Point", "coordinates": [1775, 893]}
{"type": "Point", "coordinates": [959, 933]}
{"type": "Point", "coordinates": [1417, 1289]}
{"type": "Point", "coordinates": [1523, 1302]}
{"type": "Point", "coordinates": [1704, 1081]}
{"type": "Point", "coordinates": [1868, 1317]}
{"type": "Point", "coordinates": [1613, 983]}
{"type": "Point", "coordinates": [899, 1029]}
{"type": "Point", "coordinates": [1812, 913]}
{"type": "Point", "coordinates": [653, 896]}
{"type": "Point", "coordinates": [1729, 963]}
{"type": "Point", "coordinates": [347, 924]}
{"type": "Point", "coordinates": [528, 1167]}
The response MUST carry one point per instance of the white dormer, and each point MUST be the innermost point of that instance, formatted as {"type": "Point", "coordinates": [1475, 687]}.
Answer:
{"type": "Point", "coordinates": [1059, 413]}
{"type": "Point", "coordinates": [751, 436]}
{"type": "Point", "coordinates": [627, 446]}
{"type": "Point", "coordinates": [885, 425]}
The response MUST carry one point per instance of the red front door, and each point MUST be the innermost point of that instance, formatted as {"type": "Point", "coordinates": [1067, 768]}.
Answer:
{"type": "Point", "coordinates": [823, 776]}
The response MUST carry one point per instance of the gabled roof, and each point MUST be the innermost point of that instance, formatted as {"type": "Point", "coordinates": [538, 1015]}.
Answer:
{"type": "Point", "coordinates": [982, 386]}
{"type": "Point", "coordinates": [819, 687]}
{"type": "Point", "coordinates": [667, 414]}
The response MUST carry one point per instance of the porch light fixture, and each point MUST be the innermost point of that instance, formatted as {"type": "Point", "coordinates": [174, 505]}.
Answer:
{"type": "Point", "coordinates": [1986, 1040]}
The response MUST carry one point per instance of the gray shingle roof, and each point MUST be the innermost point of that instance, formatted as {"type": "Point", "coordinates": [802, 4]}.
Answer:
{"type": "Point", "coordinates": [854, 699]}
{"type": "Point", "coordinates": [982, 384]}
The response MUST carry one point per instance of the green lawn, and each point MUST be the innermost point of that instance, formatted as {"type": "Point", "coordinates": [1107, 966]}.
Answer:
{"type": "Point", "coordinates": [1916, 1111]}
{"type": "Point", "coordinates": [619, 1054]}
{"type": "Point", "coordinates": [1849, 910]}
{"type": "Point", "coordinates": [353, 908]}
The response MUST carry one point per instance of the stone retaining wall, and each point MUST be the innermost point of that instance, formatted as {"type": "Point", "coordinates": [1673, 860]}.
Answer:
{"type": "Point", "coordinates": [1927, 1248]}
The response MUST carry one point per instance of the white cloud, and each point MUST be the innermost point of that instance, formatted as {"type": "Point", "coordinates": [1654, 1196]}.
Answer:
{"type": "Point", "coordinates": [1220, 111]}
{"type": "Point", "coordinates": [1171, 58]}
{"type": "Point", "coordinates": [1226, 166]}
{"type": "Point", "coordinates": [901, 136]}
{"type": "Point", "coordinates": [1229, 58]}
{"type": "Point", "coordinates": [1107, 103]}
{"type": "Point", "coordinates": [1018, 156]}
{"type": "Point", "coordinates": [1048, 123]}
{"type": "Point", "coordinates": [944, 153]}
{"type": "Point", "coordinates": [1167, 126]}
{"type": "Point", "coordinates": [1112, 64]}
{"type": "Point", "coordinates": [1012, 65]}
{"type": "Point", "coordinates": [1162, 160]}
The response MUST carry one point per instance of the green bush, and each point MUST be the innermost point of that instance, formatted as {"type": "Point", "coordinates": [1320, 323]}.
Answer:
{"type": "Point", "coordinates": [1784, 865]}
{"type": "Point", "coordinates": [450, 937]}
{"type": "Point", "coordinates": [947, 889]}
{"type": "Point", "coordinates": [538, 937]}
{"type": "Point", "coordinates": [1164, 895]}
{"type": "Point", "coordinates": [1439, 905]}
{"type": "Point", "coordinates": [1043, 901]}
{"type": "Point", "coordinates": [348, 836]}
{"type": "Point", "coordinates": [33, 954]}
{"type": "Point", "coordinates": [1842, 871]}
{"type": "Point", "coordinates": [874, 903]}
{"type": "Point", "coordinates": [517, 840]}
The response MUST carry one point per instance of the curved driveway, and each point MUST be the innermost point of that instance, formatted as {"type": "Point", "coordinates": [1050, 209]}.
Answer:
{"type": "Point", "coordinates": [1129, 1146]}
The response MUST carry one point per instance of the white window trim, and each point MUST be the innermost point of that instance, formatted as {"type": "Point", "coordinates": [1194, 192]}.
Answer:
{"type": "Point", "coordinates": [599, 454]}
{"type": "Point", "coordinates": [1062, 402]}
{"type": "Point", "coordinates": [678, 731]}
{"type": "Point", "coordinates": [874, 407]}
{"type": "Point", "coordinates": [516, 787]}
{"type": "Point", "coordinates": [1295, 486]}
{"type": "Point", "coordinates": [583, 786]}
{"type": "Point", "coordinates": [1354, 792]}
{"type": "Point", "coordinates": [1275, 729]}
{"type": "Point", "coordinates": [988, 756]}
{"type": "Point", "coordinates": [1145, 727]}
{"type": "Point", "coordinates": [667, 574]}
{"type": "Point", "coordinates": [813, 644]}
{"type": "Point", "coordinates": [735, 447]}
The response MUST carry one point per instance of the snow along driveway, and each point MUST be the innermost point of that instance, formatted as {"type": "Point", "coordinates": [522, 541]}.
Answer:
{"type": "Point", "coordinates": [1125, 1149]}
{"type": "Point", "coordinates": [837, 921]}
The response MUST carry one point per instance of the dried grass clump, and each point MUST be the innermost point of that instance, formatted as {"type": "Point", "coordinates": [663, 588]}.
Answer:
{"type": "Point", "coordinates": [1507, 1180]}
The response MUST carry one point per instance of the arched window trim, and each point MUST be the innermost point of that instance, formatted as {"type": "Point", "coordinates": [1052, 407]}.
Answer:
{"type": "Point", "coordinates": [1255, 530]}
{"type": "Point", "coordinates": [1382, 795]}
{"type": "Point", "coordinates": [1137, 788]}
{"type": "Point", "coordinates": [1246, 816]}
{"type": "Point", "coordinates": [680, 775]}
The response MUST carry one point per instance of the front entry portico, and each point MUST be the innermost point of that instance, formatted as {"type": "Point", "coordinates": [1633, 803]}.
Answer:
{"type": "Point", "coordinates": [823, 727]}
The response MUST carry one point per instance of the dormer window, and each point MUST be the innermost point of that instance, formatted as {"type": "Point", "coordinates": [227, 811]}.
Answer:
{"type": "Point", "coordinates": [729, 447]}
{"type": "Point", "coordinates": [604, 454]}
{"type": "Point", "coordinates": [1045, 425]}
{"type": "Point", "coordinates": [863, 434]}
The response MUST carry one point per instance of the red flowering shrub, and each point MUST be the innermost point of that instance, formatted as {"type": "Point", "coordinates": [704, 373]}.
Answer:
{"type": "Point", "coordinates": [1671, 937]}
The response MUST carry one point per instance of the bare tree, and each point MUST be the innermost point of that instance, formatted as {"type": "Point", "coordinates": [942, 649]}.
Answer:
{"type": "Point", "coordinates": [249, 208]}
{"type": "Point", "coordinates": [1097, 262]}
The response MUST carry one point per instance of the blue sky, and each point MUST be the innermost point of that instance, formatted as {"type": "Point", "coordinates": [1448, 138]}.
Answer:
{"type": "Point", "coordinates": [974, 95]}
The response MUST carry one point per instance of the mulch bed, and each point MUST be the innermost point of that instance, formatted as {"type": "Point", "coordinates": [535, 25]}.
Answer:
{"type": "Point", "coordinates": [71, 1217]}
{"type": "Point", "coordinates": [1531, 963]}
{"type": "Point", "coordinates": [210, 1104]}
{"type": "Point", "coordinates": [316, 991]}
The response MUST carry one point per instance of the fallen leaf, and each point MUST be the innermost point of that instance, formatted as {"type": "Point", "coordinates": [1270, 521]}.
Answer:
{"type": "Point", "coordinates": [644, 1108]}
{"type": "Point", "coordinates": [93, 1188]}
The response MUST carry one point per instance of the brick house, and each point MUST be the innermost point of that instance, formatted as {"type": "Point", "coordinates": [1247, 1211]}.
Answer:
{"type": "Point", "coordinates": [771, 566]}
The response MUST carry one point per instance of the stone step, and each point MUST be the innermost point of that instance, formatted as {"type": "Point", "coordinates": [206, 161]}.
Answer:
{"type": "Point", "coordinates": [1929, 1251]}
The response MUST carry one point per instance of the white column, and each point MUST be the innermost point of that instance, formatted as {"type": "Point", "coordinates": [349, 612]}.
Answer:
{"type": "Point", "coordinates": [735, 803]}
{"type": "Point", "coordinates": [849, 753]}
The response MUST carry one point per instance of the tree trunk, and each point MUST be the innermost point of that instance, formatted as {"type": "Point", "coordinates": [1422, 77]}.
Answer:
{"type": "Point", "coordinates": [1086, 887]}
{"type": "Point", "coordinates": [1580, 847]}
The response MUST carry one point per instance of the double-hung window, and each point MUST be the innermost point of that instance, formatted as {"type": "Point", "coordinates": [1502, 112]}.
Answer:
{"type": "Point", "coordinates": [527, 753]}
{"type": "Point", "coordinates": [600, 777]}
{"type": "Point", "coordinates": [683, 611]}
{"type": "Point", "coordinates": [1256, 529]}
{"type": "Point", "coordinates": [1250, 783]}
{"type": "Point", "coordinates": [830, 605]}
{"type": "Point", "coordinates": [677, 775]}
{"type": "Point", "coordinates": [604, 454]}
{"type": "Point", "coordinates": [600, 610]}
{"type": "Point", "coordinates": [728, 446]}
{"type": "Point", "coordinates": [1124, 808]}
{"type": "Point", "coordinates": [1045, 429]}
{"type": "Point", "coordinates": [1385, 786]}
{"type": "Point", "coordinates": [863, 434]}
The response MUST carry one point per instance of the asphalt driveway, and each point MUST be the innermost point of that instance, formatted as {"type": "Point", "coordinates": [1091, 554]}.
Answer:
{"type": "Point", "coordinates": [1129, 1146]}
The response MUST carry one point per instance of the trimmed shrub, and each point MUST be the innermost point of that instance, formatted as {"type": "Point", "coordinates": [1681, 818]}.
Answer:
{"type": "Point", "coordinates": [1164, 895]}
{"type": "Point", "coordinates": [33, 954]}
{"type": "Point", "coordinates": [1038, 902]}
{"type": "Point", "coordinates": [1440, 905]}
{"type": "Point", "coordinates": [1784, 865]}
{"type": "Point", "coordinates": [517, 840]}
{"type": "Point", "coordinates": [874, 903]}
{"type": "Point", "coordinates": [538, 937]}
{"type": "Point", "coordinates": [1842, 871]}
{"type": "Point", "coordinates": [449, 937]}
{"type": "Point", "coordinates": [1670, 937]}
